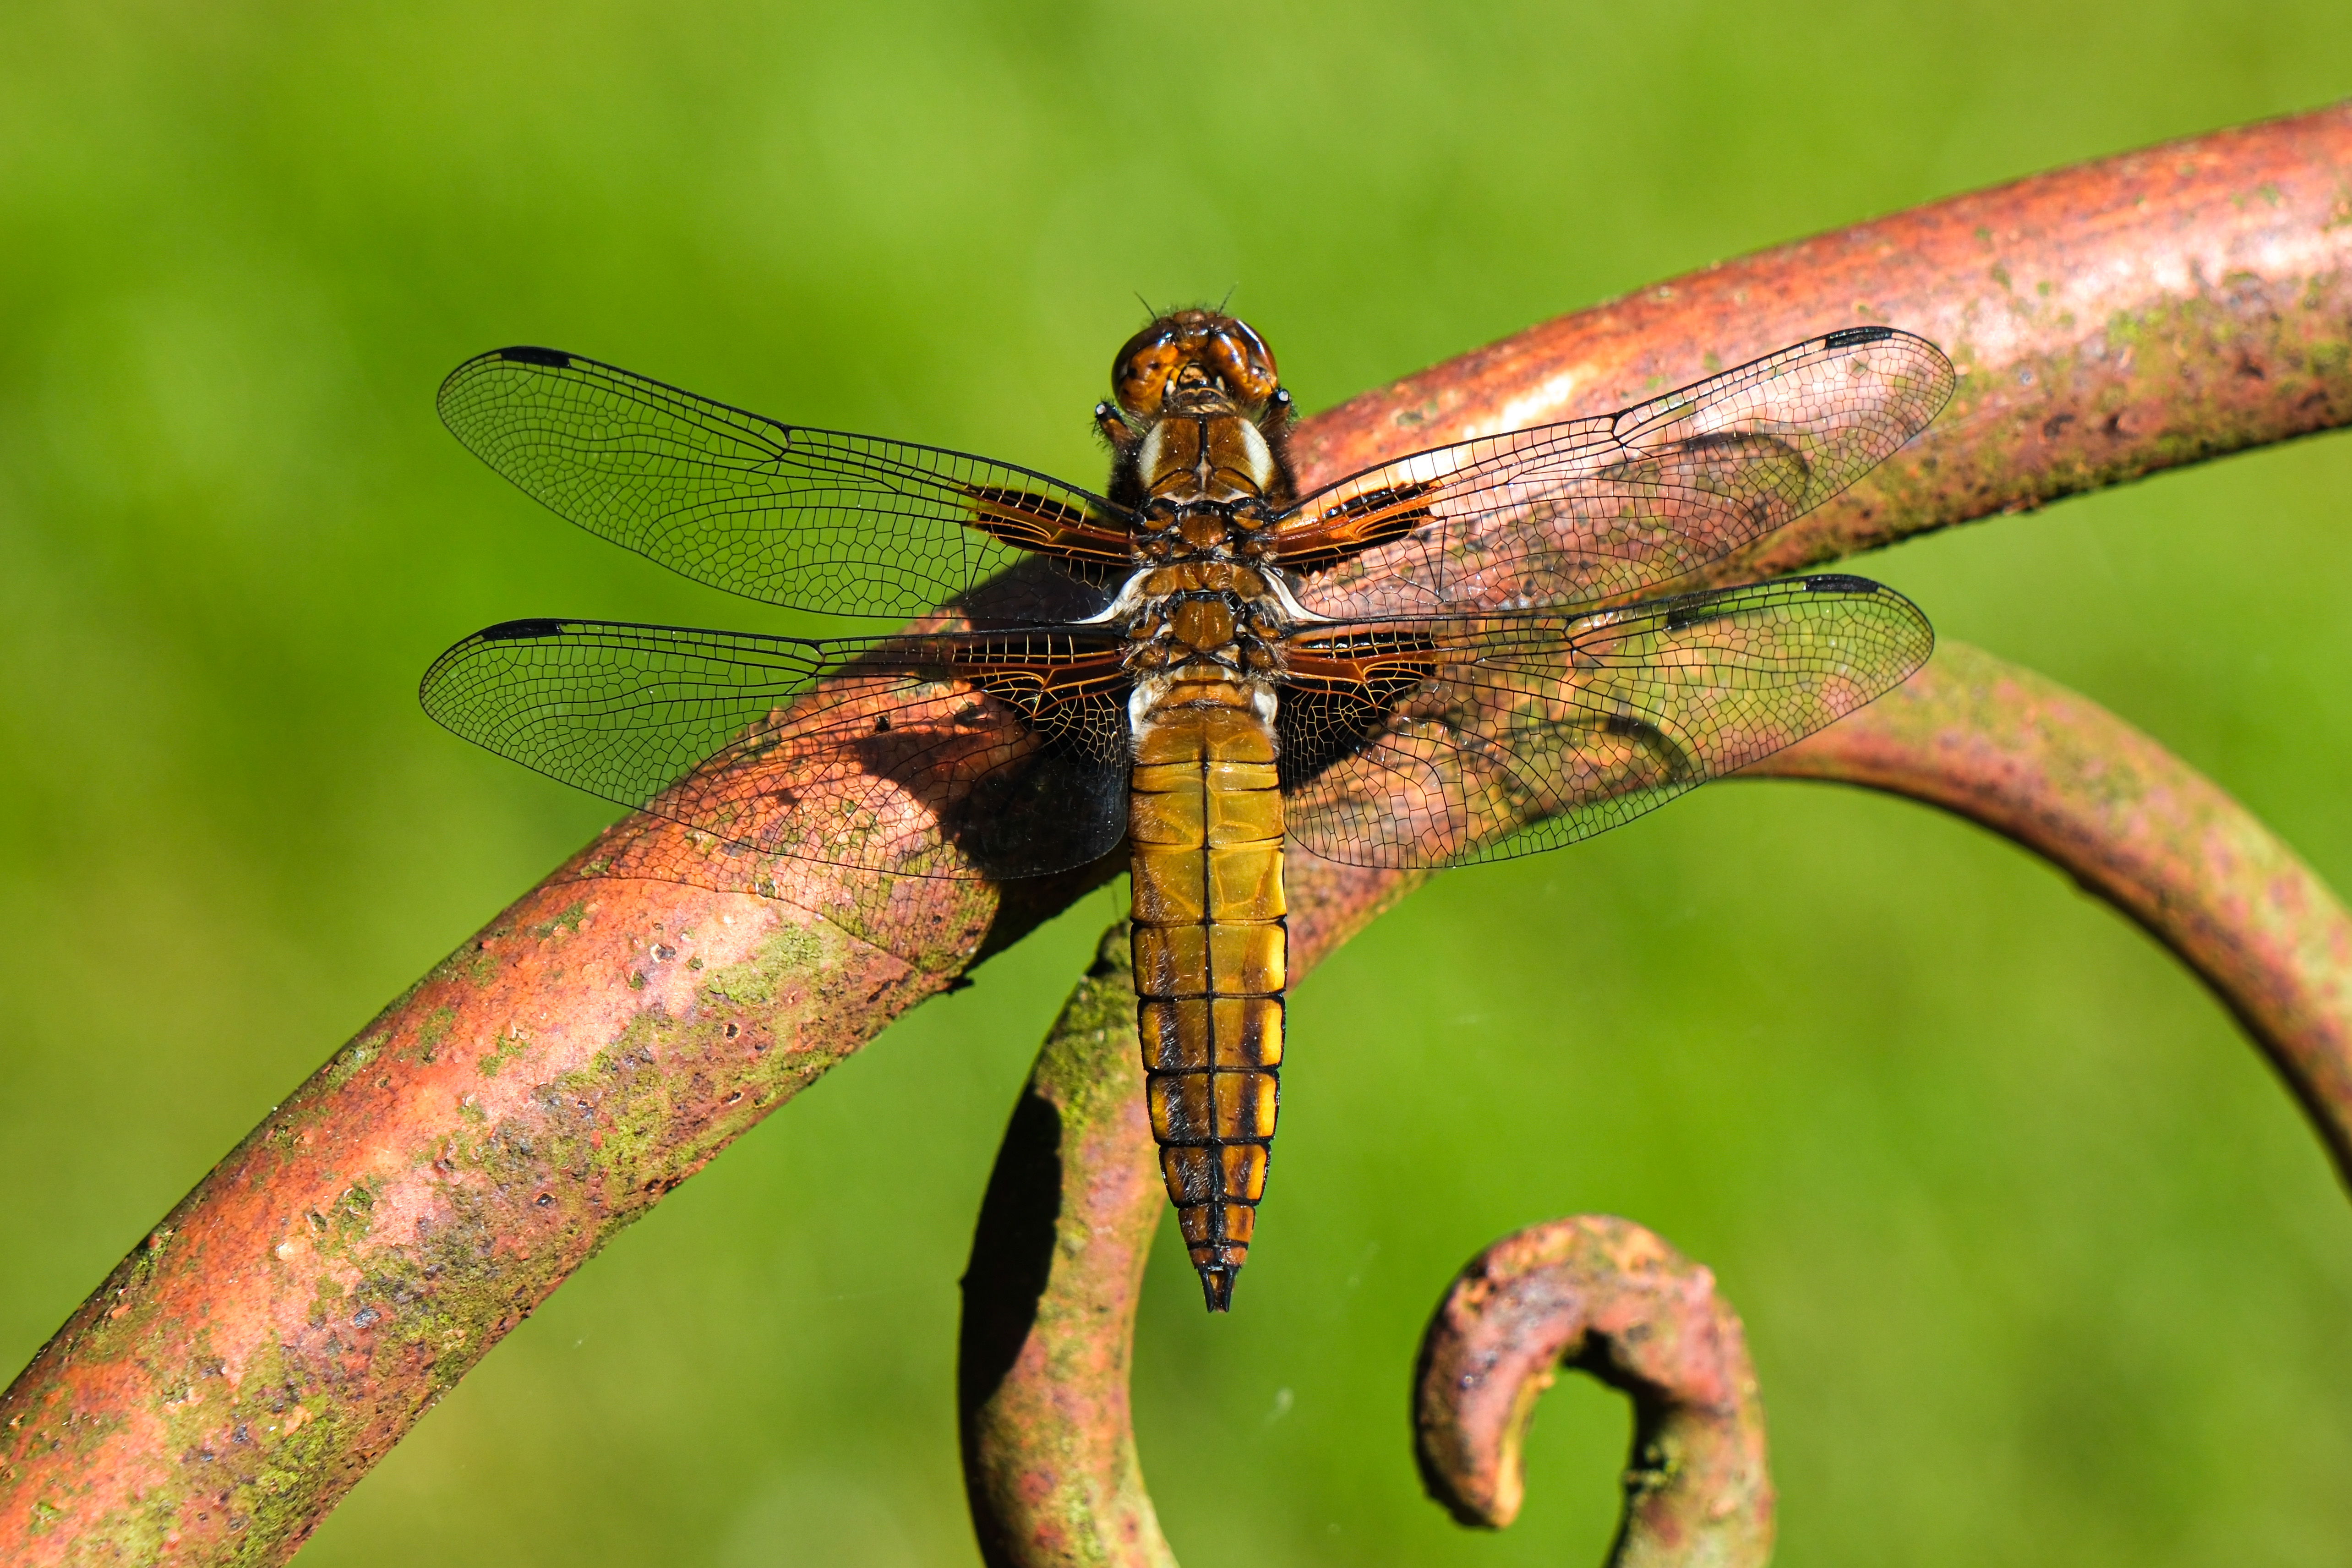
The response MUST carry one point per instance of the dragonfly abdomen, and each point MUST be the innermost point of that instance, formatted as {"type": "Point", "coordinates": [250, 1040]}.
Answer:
{"type": "Point", "coordinates": [1211, 952]}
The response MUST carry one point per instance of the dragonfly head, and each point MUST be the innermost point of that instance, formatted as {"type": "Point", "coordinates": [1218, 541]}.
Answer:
{"type": "Point", "coordinates": [1194, 361]}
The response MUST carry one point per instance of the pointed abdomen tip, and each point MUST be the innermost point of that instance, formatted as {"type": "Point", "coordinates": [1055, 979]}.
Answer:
{"type": "Point", "coordinates": [1217, 1285]}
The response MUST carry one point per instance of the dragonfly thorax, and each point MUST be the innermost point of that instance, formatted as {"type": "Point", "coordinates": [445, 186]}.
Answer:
{"type": "Point", "coordinates": [1204, 608]}
{"type": "Point", "coordinates": [1203, 620]}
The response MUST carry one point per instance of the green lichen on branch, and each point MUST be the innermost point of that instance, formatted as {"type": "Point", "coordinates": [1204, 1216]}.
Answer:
{"type": "Point", "coordinates": [406, 1209]}
{"type": "Point", "coordinates": [2184, 381]}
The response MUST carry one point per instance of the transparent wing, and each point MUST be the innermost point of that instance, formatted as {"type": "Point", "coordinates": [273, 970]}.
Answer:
{"type": "Point", "coordinates": [955, 754]}
{"type": "Point", "coordinates": [1480, 738]}
{"type": "Point", "coordinates": [811, 519]}
{"type": "Point", "coordinates": [1597, 511]}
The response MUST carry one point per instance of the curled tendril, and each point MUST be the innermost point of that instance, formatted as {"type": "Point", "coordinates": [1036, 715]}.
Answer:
{"type": "Point", "coordinates": [1050, 1459]}
{"type": "Point", "coordinates": [1603, 1296]}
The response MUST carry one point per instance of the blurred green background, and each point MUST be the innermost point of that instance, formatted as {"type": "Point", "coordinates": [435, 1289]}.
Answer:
{"type": "Point", "coordinates": [2039, 1263]}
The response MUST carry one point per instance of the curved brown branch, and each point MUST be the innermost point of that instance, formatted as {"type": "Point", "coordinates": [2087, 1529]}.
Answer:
{"type": "Point", "coordinates": [413, 1202]}
{"type": "Point", "coordinates": [1972, 733]}
{"type": "Point", "coordinates": [2108, 321]}
{"type": "Point", "coordinates": [1608, 1298]}
{"type": "Point", "coordinates": [295, 1314]}
{"type": "Point", "coordinates": [1049, 1300]}
{"type": "Point", "coordinates": [2131, 822]}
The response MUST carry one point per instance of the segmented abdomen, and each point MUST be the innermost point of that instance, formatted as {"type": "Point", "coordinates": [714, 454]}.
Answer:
{"type": "Point", "coordinates": [1211, 948]}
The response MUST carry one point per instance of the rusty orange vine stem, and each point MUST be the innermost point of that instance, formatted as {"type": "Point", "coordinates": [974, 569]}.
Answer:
{"type": "Point", "coordinates": [2133, 823]}
{"type": "Point", "coordinates": [1049, 1298]}
{"type": "Point", "coordinates": [1051, 1461]}
{"type": "Point", "coordinates": [293, 1317]}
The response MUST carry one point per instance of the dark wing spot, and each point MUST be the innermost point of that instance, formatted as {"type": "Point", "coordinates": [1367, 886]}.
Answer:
{"type": "Point", "coordinates": [1855, 337]}
{"type": "Point", "coordinates": [554, 359]}
{"type": "Point", "coordinates": [1734, 441]}
{"type": "Point", "coordinates": [1673, 761]}
{"type": "Point", "coordinates": [1362, 521]}
{"type": "Point", "coordinates": [1840, 582]}
{"type": "Point", "coordinates": [517, 631]}
{"type": "Point", "coordinates": [1681, 620]}
{"type": "Point", "coordinates": [1046, 508]}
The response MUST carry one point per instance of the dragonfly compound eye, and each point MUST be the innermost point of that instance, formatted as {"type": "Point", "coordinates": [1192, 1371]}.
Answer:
{"type": "Point", "coordinates": [1192, 348]}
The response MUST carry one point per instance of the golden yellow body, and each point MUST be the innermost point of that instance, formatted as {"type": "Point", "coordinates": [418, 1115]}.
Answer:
{"type": "Point", "coordinates": [1211, 948]}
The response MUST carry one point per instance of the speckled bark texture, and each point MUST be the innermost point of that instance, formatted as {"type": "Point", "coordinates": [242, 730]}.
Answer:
{"type": "Point", "coordinates": [293, 1316]}
{"type": "Point", "coordinates": [2107, 320]}
{"type": "Point", "coordinates": [363, 1247]}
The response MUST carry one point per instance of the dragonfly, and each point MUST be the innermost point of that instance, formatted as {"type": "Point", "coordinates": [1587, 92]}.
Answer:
{"type": "Point", "coordinates": [1480, 650]}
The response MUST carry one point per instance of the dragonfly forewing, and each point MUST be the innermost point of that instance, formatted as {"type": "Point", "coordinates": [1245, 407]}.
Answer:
{"type": "Point", "coordinates": [787, 514]}
{"type": "Point", "coordinates": [1599, 509]}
